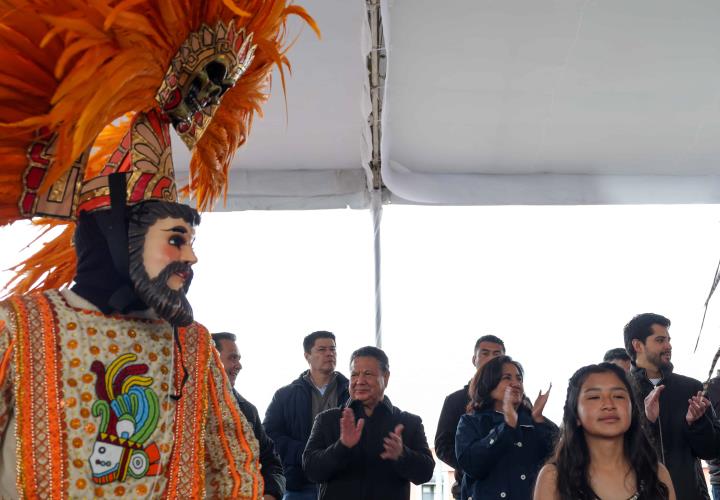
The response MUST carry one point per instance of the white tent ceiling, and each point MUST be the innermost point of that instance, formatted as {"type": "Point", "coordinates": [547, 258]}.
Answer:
{"type": "Point", "coordinates": [496, 102]}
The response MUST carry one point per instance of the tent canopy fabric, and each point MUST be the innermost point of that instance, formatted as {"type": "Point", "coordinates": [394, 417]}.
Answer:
{"type": "Point", "coordinates": [486, 102]}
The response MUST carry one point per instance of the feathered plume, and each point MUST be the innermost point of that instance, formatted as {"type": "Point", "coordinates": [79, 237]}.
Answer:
{"type": "Point", "coordinates": [79, 68]}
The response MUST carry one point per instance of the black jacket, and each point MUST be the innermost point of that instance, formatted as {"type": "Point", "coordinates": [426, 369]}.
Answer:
{"type": "Point", "coordinates": [499, 461]}
{"type": "Point", "coordinates": [713, 394]}
{"type": "Point", "coordinates": [453, 408]}
{"type": "Point", "coordinates": [288, 421]}
{"type": "Point", "coordinates": [678, 444]}
{"type": "Point", "coordinates": [359, 473]}
{"type": "Point", "coordinates": [271, 467]}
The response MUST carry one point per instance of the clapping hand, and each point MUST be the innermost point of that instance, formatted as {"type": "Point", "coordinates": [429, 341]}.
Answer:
{"type": "Point", "coordinates": [696, 407]}
{"type": "Point", "coordinates": [393, 444]}
{"type": "Point", "coordinates": [652, 404]}
{"type": "Point", "coordinates": [508, 406]}
{"type": "Point", "coordinates": [350, 431]}
{"type": "Point", "coordinates": [539, 405]}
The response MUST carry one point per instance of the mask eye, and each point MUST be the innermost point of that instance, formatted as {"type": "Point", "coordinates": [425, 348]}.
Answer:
{"type": "Point", "coordinates": [176, 241]}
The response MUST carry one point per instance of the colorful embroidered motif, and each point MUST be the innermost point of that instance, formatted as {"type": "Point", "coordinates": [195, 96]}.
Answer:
{"type": "Point", "coordinates": [46, 371]}
{"type": "Point", "coordinates": [129, 411]}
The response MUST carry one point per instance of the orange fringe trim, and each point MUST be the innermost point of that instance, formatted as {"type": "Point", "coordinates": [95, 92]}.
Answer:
{"type": "Point", "coordinates": [5, 362]}
{"type": "Point", "coordinates": [232, 467]}
{"type": "Point", "coordinates": [189, 422]}
{"type": "Point", "coordinates": [30, 394]}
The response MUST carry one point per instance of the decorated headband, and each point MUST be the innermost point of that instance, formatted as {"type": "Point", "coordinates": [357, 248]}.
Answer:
{"type": "Point", "coordinates": [144, 154]}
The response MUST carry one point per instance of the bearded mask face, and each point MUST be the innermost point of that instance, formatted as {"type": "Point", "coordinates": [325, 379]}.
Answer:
{"type": "Point", "coordinates": [161, 257]}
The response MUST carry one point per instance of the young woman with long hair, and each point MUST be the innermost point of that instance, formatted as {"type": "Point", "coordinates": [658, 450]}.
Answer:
{"type": "Point", "coordinates": [502, 441]}
{"type": "Point", "coordinates": [603, 452]}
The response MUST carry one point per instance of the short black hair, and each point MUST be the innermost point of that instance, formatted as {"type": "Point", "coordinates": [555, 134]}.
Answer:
{"type": "Point", "coordinates": [640, 327]}
{"type": "Point", "coordinates": [372, 352]}
{"type": "Point", "coordinates": [309, 341]}
{"type": "Point", "coordinates": [489, 338]}
{"type": "Point", "coordinates": [617, 353]}
{"type": "Point", "coordinates": [217, 337]}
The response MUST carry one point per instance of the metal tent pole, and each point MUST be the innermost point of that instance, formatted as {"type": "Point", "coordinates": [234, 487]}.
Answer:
{"type": "Point", "coordinates": [376, 61]}
{"type": "Point", "coordinates": [376, 210]}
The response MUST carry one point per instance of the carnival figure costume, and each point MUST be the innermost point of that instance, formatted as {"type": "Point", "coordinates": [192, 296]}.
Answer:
{"type": "Point", "coordinates": [109, 388]}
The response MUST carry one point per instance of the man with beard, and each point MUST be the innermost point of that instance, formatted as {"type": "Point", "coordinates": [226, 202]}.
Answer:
{"type": "Point", "coordinates": [680, 418]}
{"type": "Point", "coordinates": [271, 466]}
{"type": "Point", "coordinates": [143, 367]}
{"type": "Point", "coordinates": [108, 388]}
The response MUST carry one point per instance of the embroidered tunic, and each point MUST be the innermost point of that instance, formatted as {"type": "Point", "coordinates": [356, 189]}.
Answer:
{"type": "Point", "coordinates": [94, 403]}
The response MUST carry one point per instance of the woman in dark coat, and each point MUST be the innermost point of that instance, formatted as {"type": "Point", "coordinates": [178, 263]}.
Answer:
{"type": "Point", "coordinates": [502, 441]}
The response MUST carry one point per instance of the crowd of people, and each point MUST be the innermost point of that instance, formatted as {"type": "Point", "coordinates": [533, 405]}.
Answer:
{"type": "Point", "coordinates": [110, 388]}
{"type": "Point", "coordinates": [632, 429]}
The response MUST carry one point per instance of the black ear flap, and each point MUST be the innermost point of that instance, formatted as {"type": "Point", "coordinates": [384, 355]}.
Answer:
{"type": "Point", "coordinates": [116, 234]}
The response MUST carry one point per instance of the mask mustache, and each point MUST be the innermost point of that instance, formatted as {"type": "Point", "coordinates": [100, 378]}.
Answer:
{"type": "Point", "coordinates": [181, 268]}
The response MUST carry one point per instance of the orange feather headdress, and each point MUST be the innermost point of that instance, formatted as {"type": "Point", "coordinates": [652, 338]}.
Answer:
{"type": "Point", "coordinates": [80, 77]}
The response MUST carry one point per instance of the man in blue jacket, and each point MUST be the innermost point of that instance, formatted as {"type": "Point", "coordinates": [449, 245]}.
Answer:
{"type": "Point", "coordinates": [291, 413]}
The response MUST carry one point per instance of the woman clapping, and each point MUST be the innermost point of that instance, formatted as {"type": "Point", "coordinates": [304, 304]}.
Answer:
{"type": "Point", "coordinates": [502, 441]}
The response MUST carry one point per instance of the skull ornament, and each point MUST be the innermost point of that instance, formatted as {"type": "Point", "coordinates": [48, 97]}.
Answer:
{"type": "Point", "coordinates": [202, 92]}
{"type": "Point", "coordinates": [207, 65]}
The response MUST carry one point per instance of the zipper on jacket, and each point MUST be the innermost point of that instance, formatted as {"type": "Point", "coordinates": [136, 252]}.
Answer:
{"type": "Point", "coordinates": [659, 421]}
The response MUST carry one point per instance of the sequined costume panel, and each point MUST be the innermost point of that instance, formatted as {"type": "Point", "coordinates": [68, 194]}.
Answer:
{"type": "Point", "coordinates": [99, 413]}
{"type": "Point", "coordinates": [228, 435]}
{"type": "Point", "coordinates": [7, 427]}
{"type": "Point", "coordinates": [7, 339]}
{"type": "Point", "coordinates": [108, 395]}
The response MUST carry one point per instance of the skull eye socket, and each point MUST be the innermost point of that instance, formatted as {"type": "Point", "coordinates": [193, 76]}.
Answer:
{"type": "Point", "coordinates": [203, 90]}
{"type": "Point", "coordinates": [216, 72]}
{"type": "Point", "coordinates": [209, 85]}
